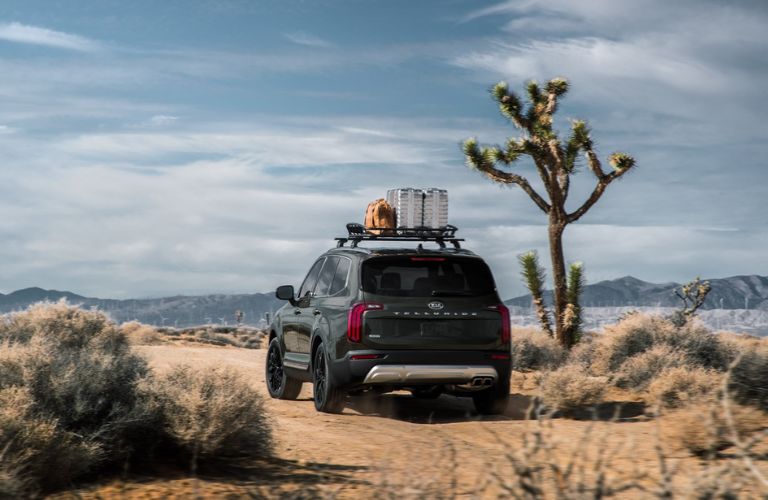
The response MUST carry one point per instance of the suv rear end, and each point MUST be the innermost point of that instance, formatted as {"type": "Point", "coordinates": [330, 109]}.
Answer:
{"type": "Point", "coordinates": [427, 321]}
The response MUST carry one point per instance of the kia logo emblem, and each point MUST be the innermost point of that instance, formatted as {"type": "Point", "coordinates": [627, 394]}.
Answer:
{"type": "Point", "coordinates": [435, 306]}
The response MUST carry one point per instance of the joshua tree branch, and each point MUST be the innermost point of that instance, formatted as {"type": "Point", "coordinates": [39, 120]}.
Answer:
{"type": "Point", "coordinates": [500, 176]}
{"type": "Point", "coordinates": [602, 183]}
{"type": "Point", "coordinates": [594, 164]}
{"type": "Point", "coordinates": [563, 177]}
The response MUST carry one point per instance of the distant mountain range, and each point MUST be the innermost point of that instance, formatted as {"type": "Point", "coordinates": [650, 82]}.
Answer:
{"type": "Point", "coordinates": [178, 311]}
{"type": "Point", "coordinates": [736, 292]}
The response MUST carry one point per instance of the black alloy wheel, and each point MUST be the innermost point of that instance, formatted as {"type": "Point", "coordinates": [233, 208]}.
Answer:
{"type": "Point", "coordinates": [279, 384]}
{"type": "Point", "coordinates": [328, 398]}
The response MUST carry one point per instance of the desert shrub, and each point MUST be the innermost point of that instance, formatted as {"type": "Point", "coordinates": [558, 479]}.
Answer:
{"type": "Point", "coordinates": [213, 411]}
{"type": "Point", "coordinates": [570, 387]}
{"type": "Point", "coordinates": [252, 343]}
{"type": "Point", "coordinates": [700, 345]}
{"type": "Point", "coordinates": [532, 349]}
{"type": "Point", "coordinates": [224, 339]}
{"type": "Point", "coordinates": [632, 335]}
{"type": "Point", "coordinates": [141, 334]}
{"type": "Point", "coordinates": [748, 381]}
{"type": "Point", "coordinates": [703, 429]}
{"type": "Point", "coordinates": [37, 446]}
{"type": "Point", "coordinates": [584, 352]}
{"type": "Point", "coordinates": [682, 385]}
{"type": "Point", "coordinates": [640, 370]}
{"type": "Point", "coordinates": [639, 333]}
{"type": "Point", "coordinates": [225, 329]}
{"type": "Point", "coordinates": [718, 482]}
{"type": "Point", "coordinates": [74, 398]}
{"type": "Point", "coordinates": [68, 384]}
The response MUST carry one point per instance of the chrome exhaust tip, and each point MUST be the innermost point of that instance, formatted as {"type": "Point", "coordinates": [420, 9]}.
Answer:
{"type": "Point", "coordinates": [482, 381]}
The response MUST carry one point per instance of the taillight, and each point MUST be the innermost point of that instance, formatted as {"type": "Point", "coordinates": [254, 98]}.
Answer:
{"type": "Point", "coordinates": [355, 319]}
{"type": "Point", "coordinates": [505, 321]}
{"type": "Point", "coordinates": [428, 259]}
{"type": "Point", "coordinates": [365, 356]}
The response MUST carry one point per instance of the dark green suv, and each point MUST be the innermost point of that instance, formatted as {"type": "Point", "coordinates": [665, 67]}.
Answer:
{"type": "Point", "coordinates": [427, 321]}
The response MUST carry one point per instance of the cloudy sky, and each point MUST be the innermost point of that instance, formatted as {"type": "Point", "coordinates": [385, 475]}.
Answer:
{"type": "Point", "coordinates": [200, 146]}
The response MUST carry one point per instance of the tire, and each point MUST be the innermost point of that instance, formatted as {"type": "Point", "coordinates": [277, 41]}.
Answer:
{"type": "Point", "coordinates": [328, 398]}
{"type": "Point", "coordinates": [429, 392]}
{"type": "Point", "coordinates": [279, 384]}
{"type": "Point", "coordinates": [494, 400]}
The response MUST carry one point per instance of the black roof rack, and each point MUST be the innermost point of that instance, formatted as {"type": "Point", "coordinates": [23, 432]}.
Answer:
{"type": "Point", "coordinates": [358, 232]}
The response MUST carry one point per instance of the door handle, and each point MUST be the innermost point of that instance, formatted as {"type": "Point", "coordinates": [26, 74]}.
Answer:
{"type": "Point", "coordinates": [297, 311]}
{"type": "Point", "coordinates": [317, 311]}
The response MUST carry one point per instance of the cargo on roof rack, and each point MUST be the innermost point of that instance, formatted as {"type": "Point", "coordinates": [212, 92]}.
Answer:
{"type": "Point", "coordinates": [441, 236]}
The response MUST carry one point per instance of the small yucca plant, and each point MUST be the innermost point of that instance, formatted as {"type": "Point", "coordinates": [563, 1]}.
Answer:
{"type": "Point", "coordinates": [533, 276]}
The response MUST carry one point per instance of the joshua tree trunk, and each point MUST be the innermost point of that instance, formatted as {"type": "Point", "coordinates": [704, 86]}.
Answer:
{"type": "Point", "coordinates": [556, 229]}
{"type": "Point", "coordinates": [554, 160]}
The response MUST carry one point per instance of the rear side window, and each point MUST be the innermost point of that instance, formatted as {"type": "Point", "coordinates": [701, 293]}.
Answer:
{"type": "Point", "coordinates": [340, 278]}
{"type": "Point", "coordinates": [326, 277]}
{"type": "Point", "coordinates": [414, 276]}
{"type": "Point", "coordinates": [311, 279]}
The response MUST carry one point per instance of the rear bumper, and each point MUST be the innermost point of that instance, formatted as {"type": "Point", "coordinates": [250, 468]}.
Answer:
{"type": "Point", "coordinates": [433, 374]}
{"type": "Point", "coordinates": [415, 367]}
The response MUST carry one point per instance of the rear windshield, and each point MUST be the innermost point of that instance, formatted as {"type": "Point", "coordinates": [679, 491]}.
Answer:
{"type": "Point", "coordinates": [414, 276]}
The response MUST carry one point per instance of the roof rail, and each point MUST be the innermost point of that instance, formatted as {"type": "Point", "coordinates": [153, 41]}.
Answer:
{"type": "Point", "coordinates": [358, 232]}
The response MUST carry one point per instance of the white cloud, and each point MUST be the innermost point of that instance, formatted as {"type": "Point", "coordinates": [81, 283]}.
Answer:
{"type": "Point", "coordinates": [161, 120]}
{"type": "Point", "coordinates": [35, 35]}
{"type": "Point", "coordinates": [307, 39]}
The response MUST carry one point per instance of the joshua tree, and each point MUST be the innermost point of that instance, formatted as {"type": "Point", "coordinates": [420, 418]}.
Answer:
{"type": "Point", "coordinates": [555, 161]}
{"type": "Point", "coordinates": [693, 294]}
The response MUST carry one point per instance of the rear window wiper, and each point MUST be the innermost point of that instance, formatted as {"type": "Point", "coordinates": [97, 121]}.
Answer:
{"type": "Point", "coordinates": [452, 293]}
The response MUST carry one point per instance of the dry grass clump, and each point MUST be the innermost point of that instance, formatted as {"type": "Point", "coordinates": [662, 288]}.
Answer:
{"type": "Point", "coordinates": [632, 335]}
{"type": "Point", "coordinates": [570, 387]}
{"type": "Point", "coordinates": [36, 447]}
{"type": "Point", "coordinates": [639, 333]}
{"type": "Point", "coordinates": [703, 429]}
{"type": "Point", "coordinates": [75, 399]}
{"type": "Point", "coordinates": [749, 375]}
{"type": "Point", "coordinates": [682, 385]}
{"type": "Point", "coordinates": [212, 412]}
{"type": "Point", "coordinates": [532, 349]}
{"type": "Point", "coordinates": [68, 389]}
{"type": "Point", "coordinates": [242, 337]}
{"type": "Point", "coordinates": [141, 334]}
{"type": "Point", "coordinates": [640, 370]}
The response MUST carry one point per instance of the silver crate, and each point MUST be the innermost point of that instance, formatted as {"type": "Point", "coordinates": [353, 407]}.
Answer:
{"type": "Point", "coordinates": [408, 204]}
{"type": "Point", "coordinates": [435, 208]}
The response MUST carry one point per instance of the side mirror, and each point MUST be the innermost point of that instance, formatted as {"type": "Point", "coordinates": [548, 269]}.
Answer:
{"type": "Point", "coordinates": [285, 292]}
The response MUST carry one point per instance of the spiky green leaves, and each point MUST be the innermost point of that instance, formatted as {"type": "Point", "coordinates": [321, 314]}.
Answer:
{"type": "Point", "coordinates": [534, 92]}
{"type": "Point", "coordinates": [621, 162]}
{"type": "Point", "coordinates": [575, 282]}
{"type": "Point", "coordinates": [572, 315]}
{"type": "Point", "coordinates": [509, 104]}
{"type": "Point", "coordinates": [477, 158]}
{"type": "Point", "coordinates": [533, 276]}
{"type": "Point", "coordinates": [557, 86]}
{"type": "Point", "coordinates": [580, 140]}
{"type": "Point", "coordinates": [580, 134]}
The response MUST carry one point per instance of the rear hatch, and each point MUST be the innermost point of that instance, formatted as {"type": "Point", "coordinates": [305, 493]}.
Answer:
{"type": "Point", "coordinates": [430, 302]}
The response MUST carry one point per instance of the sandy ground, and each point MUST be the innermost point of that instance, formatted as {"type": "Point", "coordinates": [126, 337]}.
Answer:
{"type": "Point", "coordinates": [419, 448]}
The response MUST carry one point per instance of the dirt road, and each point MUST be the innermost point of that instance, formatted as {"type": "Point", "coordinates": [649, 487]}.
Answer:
{"type": "Point", "coordinates": [417, 447]}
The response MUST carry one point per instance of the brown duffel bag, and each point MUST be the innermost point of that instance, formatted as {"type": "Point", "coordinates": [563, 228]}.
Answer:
{"type": "Point", "coordinates": [380, 218]}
